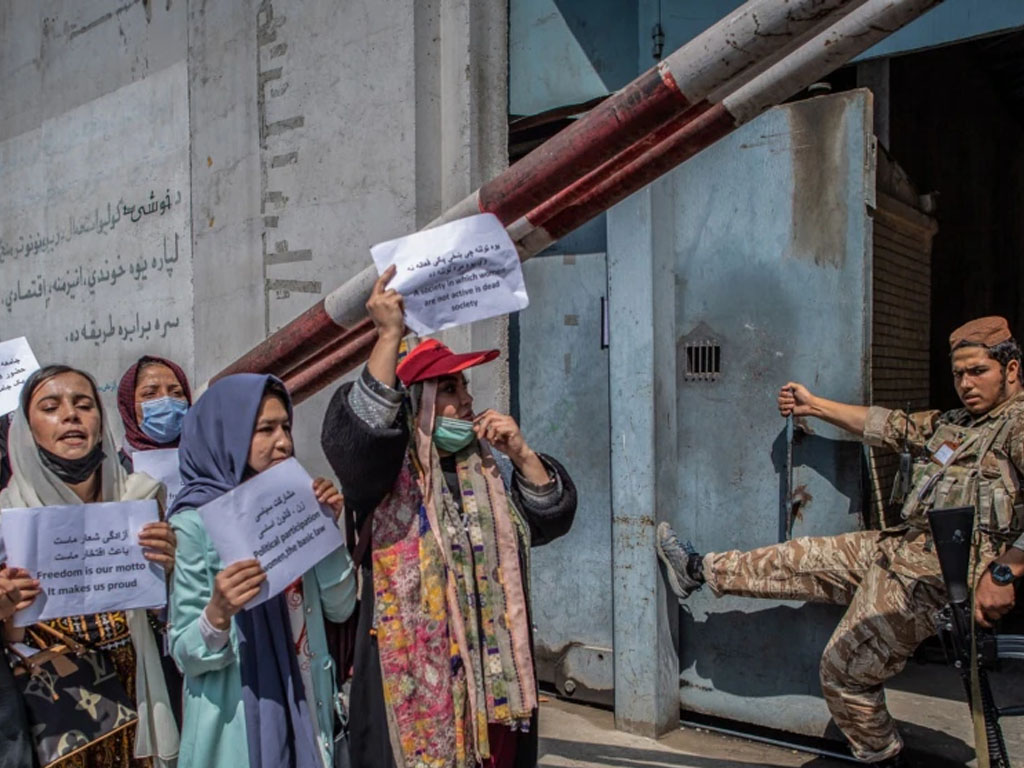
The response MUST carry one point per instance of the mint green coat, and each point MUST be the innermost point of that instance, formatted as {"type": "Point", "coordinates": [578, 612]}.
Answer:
{"type": "Point", "coordinates": [213, 731]}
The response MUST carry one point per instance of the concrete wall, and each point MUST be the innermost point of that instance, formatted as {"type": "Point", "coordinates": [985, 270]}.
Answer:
{"type": "Point", "coordinates": [289, 136]}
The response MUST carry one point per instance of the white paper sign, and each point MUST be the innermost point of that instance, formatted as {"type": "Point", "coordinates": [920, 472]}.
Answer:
{"type": "Point", "coordinates": [17, 363]}
{"type": "Point", "coordinates": [161, 465]}
{"type": "Point", "coordinates": [87, 558]}
{"type": "Point", "coordinates": [275, 518]}
{"type": "Point", "coordinates": [454, 274]}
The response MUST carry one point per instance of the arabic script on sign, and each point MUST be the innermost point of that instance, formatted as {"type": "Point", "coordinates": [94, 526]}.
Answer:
{"type": "Point", "coordinates": [86, 556]}
{"type": "Point", "coordinates": [17, 363]}
{"type": "Point", "coordinates": [457, 273]}
{"type": "Point", "coordinates": [276, 519]}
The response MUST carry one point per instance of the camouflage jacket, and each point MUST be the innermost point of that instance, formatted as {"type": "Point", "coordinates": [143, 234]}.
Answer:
{"type": "Point", "coordinates": [961, 460]}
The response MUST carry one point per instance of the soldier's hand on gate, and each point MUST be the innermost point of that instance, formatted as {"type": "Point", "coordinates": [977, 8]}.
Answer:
{"type": "Point", "coordinates": [795, 399]}
{"type": "Point", "coordinates": [992, 601]}
{"type": "Point", "coordinates": [385, 306]}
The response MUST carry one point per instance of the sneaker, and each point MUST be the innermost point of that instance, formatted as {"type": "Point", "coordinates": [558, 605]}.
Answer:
{"type": "Point", "coordinates": [676, 557]}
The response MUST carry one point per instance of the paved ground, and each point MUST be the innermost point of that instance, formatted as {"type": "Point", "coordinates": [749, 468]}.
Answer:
{"type": "Point", "coordinates": [926, 699]}
{"type": "Point", "coordinates": [578, 736]}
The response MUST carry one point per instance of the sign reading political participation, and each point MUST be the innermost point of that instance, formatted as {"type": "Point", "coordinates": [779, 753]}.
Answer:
{"type": "Point", "coordinates": [454, 274]}
{"type": "Point", "coordinates": [276, 519]}
{"type": "Point", "coordinates": [17, 363]}
{"type": "Point", "coordinates": [87, 558]}
{"type": "Point", "coordinates": [161, 465]}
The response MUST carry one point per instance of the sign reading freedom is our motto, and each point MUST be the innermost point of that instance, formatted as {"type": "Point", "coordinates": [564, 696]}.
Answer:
{"type": "Point", "coordinates": [86, 556]}
{"type": "Point", "coordinates": [276, 519]}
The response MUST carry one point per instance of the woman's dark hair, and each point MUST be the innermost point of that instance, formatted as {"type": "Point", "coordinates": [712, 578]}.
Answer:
{"type": "Point", "coordinates": [277, 389]}
{"type": "Point", "coordinates": [1002, 353]}
{"type": "Point", "coordinates": [46, 373]}
{"type": "Point", "coordinates": [148, 362]}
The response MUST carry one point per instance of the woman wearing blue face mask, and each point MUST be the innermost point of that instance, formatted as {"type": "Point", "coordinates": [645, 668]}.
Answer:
{"type": "Point", "coordinates": [450, 502]}
{"type": "Point", "coordinates": [152, 399]}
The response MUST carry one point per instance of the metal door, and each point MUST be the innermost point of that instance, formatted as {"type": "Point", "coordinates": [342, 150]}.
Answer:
{"type": "Point", "coordinates": [772, 251]}
{"type": "Point", "coordinates": [562, 392]}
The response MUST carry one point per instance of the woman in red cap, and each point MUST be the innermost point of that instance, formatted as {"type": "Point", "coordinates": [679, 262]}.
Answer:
{"type": "Point", "coordinates": [452, 502]}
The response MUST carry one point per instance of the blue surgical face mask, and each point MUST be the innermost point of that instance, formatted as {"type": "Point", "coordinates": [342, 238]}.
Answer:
{"type": "Point", "coordinates": [161, 418]}
{"type": "Point", "coordinates": [452, 435]}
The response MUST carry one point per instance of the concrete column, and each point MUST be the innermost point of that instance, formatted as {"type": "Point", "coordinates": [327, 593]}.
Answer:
{"type": "Point", "coordinates": [641, 291]}
{"type": "Point", "coordinates": [224, 122]}
{"type": "Point", "coordinates": [462, 140]}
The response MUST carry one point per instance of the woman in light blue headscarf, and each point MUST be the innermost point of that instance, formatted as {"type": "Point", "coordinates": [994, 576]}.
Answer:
{"type": "Point", "coordinates": [259, 683]}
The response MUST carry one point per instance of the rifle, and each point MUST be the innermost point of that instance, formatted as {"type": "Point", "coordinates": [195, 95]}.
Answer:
{"type": "Point", "coordinates": [974, 651]}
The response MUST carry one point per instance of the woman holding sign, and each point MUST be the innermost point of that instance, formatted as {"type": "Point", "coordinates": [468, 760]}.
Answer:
{"type": "Point", "coordinates": [259, 682]}
{"type": "Point", "coordinates": [152, 398]}
{"type": "Point", "coordinates": [63, 453]}
{"type": "Point", "coordinates": [444, 670]}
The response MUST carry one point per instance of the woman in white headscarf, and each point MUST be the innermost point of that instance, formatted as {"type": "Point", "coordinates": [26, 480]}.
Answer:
{"type": "Point", "coordinates": [62, 453]}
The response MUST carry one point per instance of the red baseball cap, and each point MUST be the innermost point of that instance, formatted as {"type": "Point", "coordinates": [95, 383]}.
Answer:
{"type": "Point", "coordinates": [432, 359]}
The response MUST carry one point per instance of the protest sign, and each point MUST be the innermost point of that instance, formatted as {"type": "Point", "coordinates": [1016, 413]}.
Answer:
{"type": "Point", "coordinates": [86, 556]}
{"type": "Point", "coordinates": [17, 363]}
{"type": "Point", "coordinates": [276, 519]}
{"type": "Point", "coordinates": [161, 465]}
{"type": "Point", "coordinates": [454, 274]}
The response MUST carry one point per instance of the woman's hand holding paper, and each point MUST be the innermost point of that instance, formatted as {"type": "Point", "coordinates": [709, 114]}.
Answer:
{"type": "Point", "coordinates": [233, 587]}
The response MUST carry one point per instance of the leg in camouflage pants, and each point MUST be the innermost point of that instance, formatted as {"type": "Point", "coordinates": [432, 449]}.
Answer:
{"type": "Point", "coordinates": [889, 614]}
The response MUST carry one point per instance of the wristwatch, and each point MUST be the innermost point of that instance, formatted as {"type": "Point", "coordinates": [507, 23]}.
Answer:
{"type": "Point", "coordinates": [1001, 573]}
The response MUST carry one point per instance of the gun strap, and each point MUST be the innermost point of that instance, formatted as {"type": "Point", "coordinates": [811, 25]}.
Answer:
{"type": "Point", "coordinates": [977, 705]}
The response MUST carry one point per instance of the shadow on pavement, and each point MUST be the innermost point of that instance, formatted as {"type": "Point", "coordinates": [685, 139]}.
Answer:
{"type": "Point", "coordinates": [630, 757]}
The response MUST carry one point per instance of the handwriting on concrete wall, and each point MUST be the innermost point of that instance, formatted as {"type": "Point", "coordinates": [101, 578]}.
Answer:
{"type": "Point", "coordinates": [49, 241]}
{"type": "Point", "coordinates": [95, 230]}
{"type": "Point", "coordinates": [76, 280]}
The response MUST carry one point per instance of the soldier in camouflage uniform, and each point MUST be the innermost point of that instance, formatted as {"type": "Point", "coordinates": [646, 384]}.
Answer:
{"type": "Point", "coordinates": [890, 579]}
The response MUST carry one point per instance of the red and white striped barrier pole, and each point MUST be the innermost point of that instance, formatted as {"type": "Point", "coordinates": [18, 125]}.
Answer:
{"type": "Point", "coordinates": [713, 59]}
{"type": "Point", "coordinates": [847, 38]}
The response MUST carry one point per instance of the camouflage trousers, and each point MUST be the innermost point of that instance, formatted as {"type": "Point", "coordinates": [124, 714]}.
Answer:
{"type": "Point", "coordinates": [893, 587]}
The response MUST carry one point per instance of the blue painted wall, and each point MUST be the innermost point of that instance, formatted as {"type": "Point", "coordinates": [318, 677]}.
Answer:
{"type": "Point", "coordinates": [568, 51]}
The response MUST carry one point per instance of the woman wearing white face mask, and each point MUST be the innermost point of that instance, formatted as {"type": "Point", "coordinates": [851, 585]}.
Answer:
{"type": "Point", "coordinates": [152, 398]}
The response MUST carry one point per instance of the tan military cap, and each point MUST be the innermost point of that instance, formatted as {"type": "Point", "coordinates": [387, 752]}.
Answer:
{"type": "Point", "coordinates": [986, 331]}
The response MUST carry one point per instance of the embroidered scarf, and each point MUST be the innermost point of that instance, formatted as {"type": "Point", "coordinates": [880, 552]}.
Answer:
{"type": "Point", "coordinates": [455, 652]}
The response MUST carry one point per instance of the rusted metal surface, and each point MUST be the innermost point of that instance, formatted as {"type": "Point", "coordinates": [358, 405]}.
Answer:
{"type": "Point", "coordinates": [707, 128]}
{"type": "Point", "coordinates": [320, 371]}
{"type": "Point", "coordinates": [287, 348]}
{"type": "Point", "coordinates": [704, 125]}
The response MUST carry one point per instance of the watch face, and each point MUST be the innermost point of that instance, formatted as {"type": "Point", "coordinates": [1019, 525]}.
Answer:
{"type": "Point", "coordinates": [1001, 573]}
